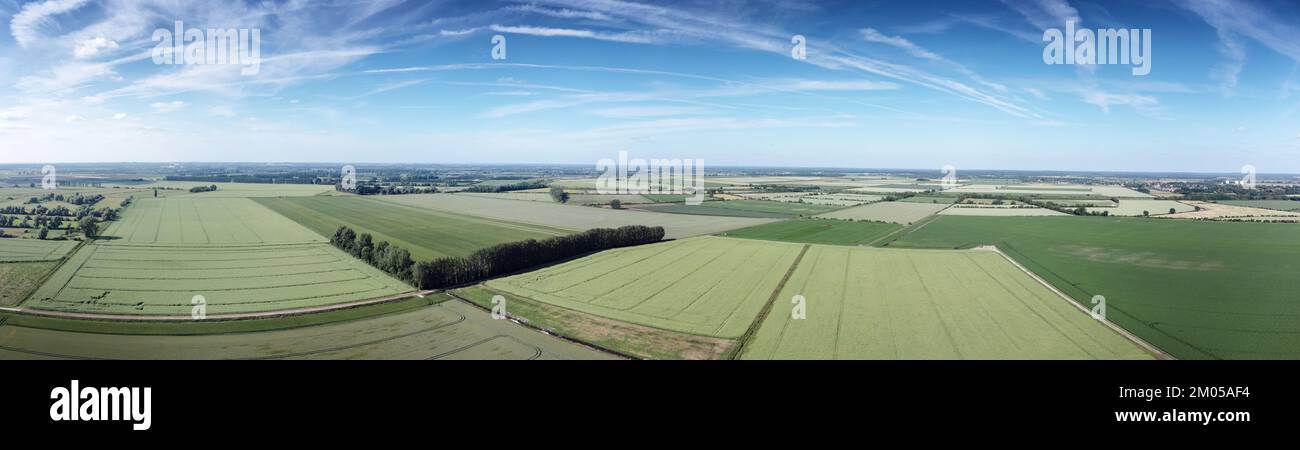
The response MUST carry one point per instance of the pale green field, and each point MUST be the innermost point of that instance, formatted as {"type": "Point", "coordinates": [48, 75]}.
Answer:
{"type": "Point", "coordinates": [870, 303]}
{"type": "Point", "coordinates": [25, 250]}
{"type": "Point", "coordinates": [896, 212]}
{"type": "Point", "coordinates": [1131, 207]}
{"type": "Point", "coordinates": [571, 216]}
{"type": "Point", "coordinates": [189, 220]}
{"type": "Point", "coordinates": [242, 190]}
{"type": "Point", "coordinates": [1051, 189]}
{"type": "Point", "coordinates": [959, 210]}
{"type": "Point", "coordinates": [448, 330]}
{"type": "Point", "coordinates": [706, 285]}
{"type": "Point", "coordinates": [237, 254]}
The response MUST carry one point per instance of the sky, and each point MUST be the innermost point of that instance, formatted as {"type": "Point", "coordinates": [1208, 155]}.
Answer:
{"type": "Point", "coordinates": [881, 84]}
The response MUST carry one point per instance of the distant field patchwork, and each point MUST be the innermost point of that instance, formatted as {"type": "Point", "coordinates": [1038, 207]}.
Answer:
{"type": "Point", "coordinates": [818, 231]}
{"type": "Point", "coordinates": [868, 303]}
{"type": "Point", "coordinates": [747, 208]}
{"type": "Point", "coordinates": [572, 217]}
{"type": "Point", "coordinates": [426, 233]}
{"type": "Point", "coordinates": [896, 212]}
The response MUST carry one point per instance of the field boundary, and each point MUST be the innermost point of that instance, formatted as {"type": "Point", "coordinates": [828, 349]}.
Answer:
{"type": "Point", "coordinates": [736, 350]}
{"type": "Point", "coordinates": [524, 322]}
{"type": "Point", "coordinates": [1159, 354]}
{"type": "Point", "coordinates": [216, 317]}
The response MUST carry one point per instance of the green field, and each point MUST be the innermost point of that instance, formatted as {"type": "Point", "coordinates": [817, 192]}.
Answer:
{"type": "Point", "coordinates": [571, 217]}
{"type": "Point", "coordinates": [201, 221]}
{"type": "Point", "coordinates": [1195, 289]}
{"type": "Point", "coordinates": [896, 212]}
{"type": "Point", "coordinates": [962, 210]}
{"type": "Point", "coordinates": [446, 330]}
{"type": "Point", "coordinates": [240, 190]}
{"type": "Point", "coordinates": [709, 286]}
{"type": "Point", "coordinates": [19, 279]}
{"type": "Point", "coordinates": [1280, 205]}
{"type": "Point", "coordinates": [747, 208]}
{"type": "Point", "coordinates": [26, 250]}
{"type": "Point", "coordinates": [238, 255]}
{"type": "Point", "coordinates": [817, 231]}
{"type": "Point", "coordinates": [921, 199]}
{"type": "Point", "coordinates": [869, 303]}
{"type": "Point", "coordinates": [427, 234]}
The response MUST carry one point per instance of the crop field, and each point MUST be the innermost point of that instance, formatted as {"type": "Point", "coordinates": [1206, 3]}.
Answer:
{"type": "Point", "coordinates": [818, 231]}
{"type": "Point", "coordinates": [922, 199]}
{"type": "Point", "coordinates": [1052, 190]}
{"type": "Point", "coordinates": [1195, 289]}
{"type": "Point", "coordinates": [869, 303]}
{"type": "Point", "coordinates": [426, 233]}
{"type": "Point", "coordinates": [984, 210]}
{"type": "Point", "coordinates": [572, 217]}
{"type": "Point", "coordinates": [1132, 207]}
{"type": "Point", "coordinates": [241, 190]}
{"type": "Point", "coordinates": [20, 279]}
{"type": "Point", "coordinates": [23, 250]}
{"type": "Point", "coordinates": [747, 208]}
{"type": "Point", "coordinates": [709, 286]}
{"type": "Point", "coordinates": [147, 279]}
{"type": "Point", "coordinates": [447, 330]}
{"type": "Point", "coordinates": [237, 254]}
{"type": "Point", "coordinates": [1280, 205]}
{"type": "Point", "coordinates": [184, 220]}
{"type": "Point", "coordinates": [1225, 211]}
{"type": "Point", "coordinates": [896, 212]}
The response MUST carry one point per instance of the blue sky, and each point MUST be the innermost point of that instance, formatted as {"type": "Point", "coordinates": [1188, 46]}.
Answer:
{"type": "Point", "coordinates": [899, 84]}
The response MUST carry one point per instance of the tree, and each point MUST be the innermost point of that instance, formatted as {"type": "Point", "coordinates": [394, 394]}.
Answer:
{"type": "Point", "coordinates": [1172, 211]}
{"type": "Point", "coordinates": [89, 227]}
{"type": "Point", "coordinates": [558, 194]}
{"type": "Point", "coordinates": [1146, 213]}
{"type": "Point", "coordinates": [45, 232]}
{"type": "Point", "coordinates": [616, 204]}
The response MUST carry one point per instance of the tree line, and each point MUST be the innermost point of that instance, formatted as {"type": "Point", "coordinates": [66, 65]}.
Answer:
{"type": "Point", "coordinates": [490, 261]}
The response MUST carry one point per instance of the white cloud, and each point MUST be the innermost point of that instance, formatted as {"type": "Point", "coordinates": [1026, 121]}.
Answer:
{"type": "Point", "coordinates": [856, 85]}
{"type": "Point", "coordinates": [73, 118]}
{"type": "Point", "coordinates": [91, 47]}
{"type": "Point", "coordinates": [625, 37]}
{"type": "Point", "coordinates": [646, 111]}
{"type": "Point", "coordinates": [1045, 14]}
{"type": "Point", "coordinates": [871, 35]}
{"type": "Point", "coordinates": [221, 111]}
{"type": "Point", "coordinates": [1104, 100]}
{"type": "Point", "coordinates": [166, 107]}
{"type": "Point", "coordinates": [119, 116]}
{"type": "Point", "coordinates": [26, 25]}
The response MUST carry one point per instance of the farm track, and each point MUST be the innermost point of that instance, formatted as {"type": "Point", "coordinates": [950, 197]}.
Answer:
{"type": "Point", "coordinates": [739, 348]}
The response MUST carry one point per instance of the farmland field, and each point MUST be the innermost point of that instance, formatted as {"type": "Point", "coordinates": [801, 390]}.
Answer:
{"type": "Point", "coordinates": [960, 210]}
{"type": "Point", "coordinates": [868, 303]}
{"type": "Point", "coordinates": [1132, 207]}
{"type": "Point", "coordinates": [817, 231]}
{"type": "Point", "coordinates": [896, 212]}
{"type": "Point", "coordinates": [572, 217]}
{"type": "Point", "coordinates": [20, 279]}
{"type": "Point", "coordinates": [241, 190]}
{"type": "Point", "coordinates": [427, 234]}
{"type": "Point", "coordinates": [184, 220]}
{"type": "Point", "coordinates": [240, 256]}
{"type": "Point", "coordinates": [22, 250]}
{"type": "Point", "coordinates": [447, 330]}
{"type": "Point", "coordinates": [756, 208]}
{"type": "Point", "coordinates": [1280, 205]}
{"type": "Point", "coordinates": [706, 285]}
{"type": "Point", "coordinates": [1195, 289]}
